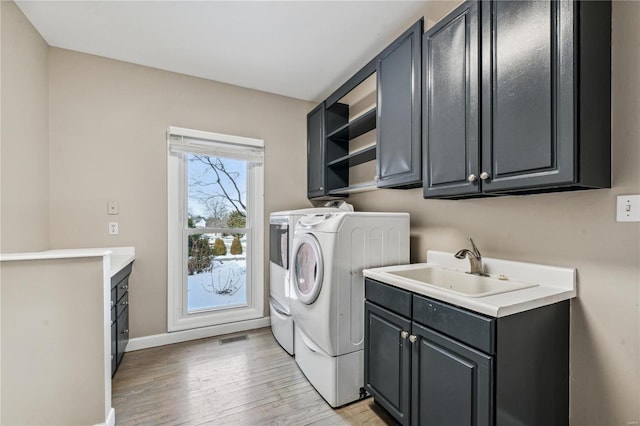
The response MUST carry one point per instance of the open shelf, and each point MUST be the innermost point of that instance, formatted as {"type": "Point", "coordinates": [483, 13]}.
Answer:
{"type": "Point", "coordinates": [355, 158]}
{"type": "Point", "coordinates": [360, 187]}
{"type": "Point", "coordinates": [358, 127]}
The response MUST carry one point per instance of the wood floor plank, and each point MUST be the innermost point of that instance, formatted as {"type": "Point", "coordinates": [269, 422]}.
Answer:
{"type": "Point", "coordinates": [245, 382]}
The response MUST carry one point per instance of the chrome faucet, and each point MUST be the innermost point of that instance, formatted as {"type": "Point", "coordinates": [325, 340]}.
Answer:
{"type": "Point", "coordinates": [475, 259]}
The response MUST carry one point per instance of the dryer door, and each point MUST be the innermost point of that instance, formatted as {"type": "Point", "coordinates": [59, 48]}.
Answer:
{"type": "Point", "coordinates": [308, 268]}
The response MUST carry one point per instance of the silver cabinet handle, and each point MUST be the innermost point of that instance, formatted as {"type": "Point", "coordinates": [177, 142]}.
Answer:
{"type": "Point", "coordinates": [404, 334]}
{"type": "Point", "coordinates": [376, 178]}
{"type": "Point", "coordinates": [472, 178]}
{"type": "Point", "coordinates": [125, 331]}
{"type": "Point", "coordinates": [125, 303]}
{"type": "Point", "coordinates": [484, 175]}
{"type": "Point", "coordinates": [124, 287]}
{"type": "Point", "coordinates": [112, 303]}
{"type": "Point", "coordinates": [412, 338]}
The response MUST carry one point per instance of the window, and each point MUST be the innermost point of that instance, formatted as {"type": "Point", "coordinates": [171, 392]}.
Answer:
{"type": "Point", "coordinates": [215, 224]}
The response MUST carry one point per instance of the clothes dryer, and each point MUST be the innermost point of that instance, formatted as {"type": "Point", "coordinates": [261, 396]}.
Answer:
{"type": "Point", "coordinates": [281, 229]}
{"type": "Point", "coordinates": [330, 251]}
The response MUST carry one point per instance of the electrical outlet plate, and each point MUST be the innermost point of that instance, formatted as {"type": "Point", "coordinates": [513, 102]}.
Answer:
{"type": "Point", "coordinates": [628, 208]}
{"type": "Point", "coordinates": [113, 228]}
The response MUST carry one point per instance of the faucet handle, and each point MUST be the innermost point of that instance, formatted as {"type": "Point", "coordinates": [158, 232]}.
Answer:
{"type": "Point", "coordinates": [475, 248]}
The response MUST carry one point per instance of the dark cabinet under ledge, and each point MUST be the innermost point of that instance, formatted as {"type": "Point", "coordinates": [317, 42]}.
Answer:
{"type": "Point", "coordinates": [432, 363]}
{"type": "Point", "coordinates": [119, 316]}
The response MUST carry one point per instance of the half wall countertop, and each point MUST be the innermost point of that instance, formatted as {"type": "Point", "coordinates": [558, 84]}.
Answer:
{"type": "Point", "coordinates": [119, 256]}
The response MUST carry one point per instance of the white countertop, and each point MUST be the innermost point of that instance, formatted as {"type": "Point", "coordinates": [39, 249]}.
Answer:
{"type": "Point", "coordinates": [554, 284]}
{"type": "Point", "coordinates": [119, 256]}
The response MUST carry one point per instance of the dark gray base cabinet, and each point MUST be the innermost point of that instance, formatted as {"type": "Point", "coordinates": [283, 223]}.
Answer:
{"type": "Point", "coordinates": [119, 316]}
{"type": "Point", "coordinates": [431, 363]}
{"type": "Point", "coordinates": [504, 120]}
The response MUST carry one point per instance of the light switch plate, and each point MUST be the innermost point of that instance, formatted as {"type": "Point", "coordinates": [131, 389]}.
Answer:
{"type": "Point", "coordinates": [628, 208]}
{"type": "Point", "coordinates": [113, 207]}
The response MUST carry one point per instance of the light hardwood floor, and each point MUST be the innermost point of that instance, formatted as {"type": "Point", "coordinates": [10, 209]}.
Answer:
{"type": "Point", "coordinates": [205, 382]}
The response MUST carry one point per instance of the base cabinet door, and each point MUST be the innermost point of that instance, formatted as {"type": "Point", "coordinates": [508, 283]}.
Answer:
{"type": "Point", "coordinates": [123, 334]}
{"type": "Point", "coordinates": [387, 360]}
{"type": "Point", "coordinates": [114, 351]}
{"type": "Point", "coordinates": [452, 383]}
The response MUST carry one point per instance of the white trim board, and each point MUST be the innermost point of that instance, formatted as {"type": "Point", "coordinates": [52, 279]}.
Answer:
{"type": "Point", "coordinates": [145, 342]}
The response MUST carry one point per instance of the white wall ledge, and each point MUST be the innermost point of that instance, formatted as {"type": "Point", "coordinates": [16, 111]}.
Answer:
{"type": "Point", "coordinates": [120, 256]}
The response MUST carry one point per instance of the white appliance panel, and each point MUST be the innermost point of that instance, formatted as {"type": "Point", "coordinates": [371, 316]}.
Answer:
{"type": "Point", "coordinates": [333, 323]}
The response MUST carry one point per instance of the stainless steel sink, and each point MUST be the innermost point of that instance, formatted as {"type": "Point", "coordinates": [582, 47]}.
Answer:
{"type": "Point", "coordinates": [458, 282]}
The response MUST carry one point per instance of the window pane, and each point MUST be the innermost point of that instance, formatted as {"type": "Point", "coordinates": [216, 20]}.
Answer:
{"type": "Point", "coordinates": [217, 265]}
{"type": "Point", "coordinates": [217, 190]}
{"type": "Point", "coordinates": [217, 271]}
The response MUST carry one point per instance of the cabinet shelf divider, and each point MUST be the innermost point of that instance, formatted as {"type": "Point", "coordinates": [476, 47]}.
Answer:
{"type": "Point", "coordinates": [360, 187]}
{"type": "Point", "coordinates": [355, 158]}
{"type": "Point", "coordinates": [358, 127]}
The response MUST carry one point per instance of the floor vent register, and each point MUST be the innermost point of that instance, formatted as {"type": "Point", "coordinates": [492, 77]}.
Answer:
{"type": "Point", "coordinates": [233, 339]}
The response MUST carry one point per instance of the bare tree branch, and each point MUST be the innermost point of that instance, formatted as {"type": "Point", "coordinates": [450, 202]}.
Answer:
{"type": "Point", "coordinates": [219, 168]}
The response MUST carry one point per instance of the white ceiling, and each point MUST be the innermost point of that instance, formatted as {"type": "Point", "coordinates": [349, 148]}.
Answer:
{"type": "Point", "coordinates": [301, 49]}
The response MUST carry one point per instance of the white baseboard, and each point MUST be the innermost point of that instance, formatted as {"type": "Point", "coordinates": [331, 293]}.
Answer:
{"type": "Point", "coordinates": [145, 342]}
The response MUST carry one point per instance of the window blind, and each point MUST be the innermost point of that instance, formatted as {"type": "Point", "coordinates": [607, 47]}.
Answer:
{"type": "Point", "coordinates": [185, 141]}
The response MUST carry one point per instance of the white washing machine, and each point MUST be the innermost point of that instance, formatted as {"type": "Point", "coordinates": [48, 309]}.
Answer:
{"type": "Point", "coordinates": [281, 227]}
{"type": "Point", "coordinates": [330, 251]}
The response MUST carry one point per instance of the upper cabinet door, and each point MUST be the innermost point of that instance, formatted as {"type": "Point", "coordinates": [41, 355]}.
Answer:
{"type": "Point", "coordinates": [316, 153]}
{"type": "Point", "coordinates": [528, 95]}
{"type": "Point", "coordinates": [451, 105]}
{"type": "Point", "coordinates": [399, 111]}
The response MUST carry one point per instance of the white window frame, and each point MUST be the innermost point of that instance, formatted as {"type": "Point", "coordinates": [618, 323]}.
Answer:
{"type": "Point", "coordinates": [178, 317]}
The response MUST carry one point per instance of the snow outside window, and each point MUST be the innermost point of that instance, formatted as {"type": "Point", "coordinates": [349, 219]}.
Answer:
{"type": "Point", "coordinates": [215, 214]}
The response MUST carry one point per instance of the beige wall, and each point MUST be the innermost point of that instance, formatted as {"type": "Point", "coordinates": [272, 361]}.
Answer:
{"type": "Point", "coordinates": [24, 138]}
{"type": "Point", "coordinates": [566, 229]}
{"type": "Point", "coordinates": [108, 124]}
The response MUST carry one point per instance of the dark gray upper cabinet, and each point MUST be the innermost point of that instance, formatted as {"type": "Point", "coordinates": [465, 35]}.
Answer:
{"type": "Point", "coordinates": [399, 111]}
{"type": "Point", "coordinates": [396, 116]}
{"type": "Point", "coordinates": [546, 93]}
{"type": "Point", "coordinates": [545, 100]}
{"type": "Point", "coordinates": [451, 131]}
{"type": "Point", "coordinates": [316, 153]}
